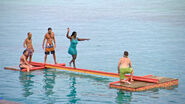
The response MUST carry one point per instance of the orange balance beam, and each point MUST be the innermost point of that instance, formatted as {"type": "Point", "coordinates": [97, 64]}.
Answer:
{"type": "Point", "coordinates": [138, 78]}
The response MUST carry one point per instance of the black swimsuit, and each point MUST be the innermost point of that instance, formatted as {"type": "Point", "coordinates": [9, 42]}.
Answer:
{"type": "Point", "coordinates": [20, 66]}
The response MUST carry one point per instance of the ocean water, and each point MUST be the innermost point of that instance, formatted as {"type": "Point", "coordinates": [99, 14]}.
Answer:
{"type": "Point", "coordinates": [153, 32]}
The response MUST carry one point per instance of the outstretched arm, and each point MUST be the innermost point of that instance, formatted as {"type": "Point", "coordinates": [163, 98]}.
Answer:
{"type": "Point", "coordinates": [67, 35]}
{"type": "Point", "coordinates": [82, 39]}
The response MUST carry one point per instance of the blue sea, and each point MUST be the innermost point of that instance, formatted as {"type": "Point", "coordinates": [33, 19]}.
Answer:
{"type": "Point", "coordinates": [152, 31]}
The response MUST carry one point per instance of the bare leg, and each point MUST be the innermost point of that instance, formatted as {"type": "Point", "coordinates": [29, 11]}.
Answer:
{"type": "Point", "coordinates": [70, 62]}
{"type": "Point", "coordinates": [131, 76]}
{"type": "Point", "coordinates": [74, 58]}
{"type": "Point", "coordinates": [54, 57]}
{"type": "Point", "coordinates": [30, 58]}
{"type": "Point", "coordinates": [28, 69]}
{"type": "Point", "coordinates": [45, 58]}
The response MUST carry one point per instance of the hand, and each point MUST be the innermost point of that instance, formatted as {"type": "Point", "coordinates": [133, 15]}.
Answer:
{"type": "Point", "coordinates": [55, 45]}
{"type": "Point", "coordinates": [68, 29]}
{"type": "Point", "coordinates": [30, 66]}
{"type": "Point", "coordinates": [33, 50]}
{"type": "Point", "coordinates": [24, 46]}
{"type": "Point", "coordinates": [42, 46]}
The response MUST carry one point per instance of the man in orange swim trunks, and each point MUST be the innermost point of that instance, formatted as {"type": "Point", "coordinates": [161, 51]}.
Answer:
{"type": "Point", "coordinates": [49, 46]}
{"type": "Point", "coordinates": [29, 47]}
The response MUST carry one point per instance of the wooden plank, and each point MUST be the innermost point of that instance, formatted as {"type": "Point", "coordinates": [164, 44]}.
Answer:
{"type": "Point", "coordinates": [16, 68]}
{"type": "Point", "coordinates": [140, 86]}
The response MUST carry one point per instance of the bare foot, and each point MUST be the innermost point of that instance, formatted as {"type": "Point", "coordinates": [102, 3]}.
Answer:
{"type": "Point", "coordinates": [123, 81]}
{"type": "Point", "coordinates": [131, 80]}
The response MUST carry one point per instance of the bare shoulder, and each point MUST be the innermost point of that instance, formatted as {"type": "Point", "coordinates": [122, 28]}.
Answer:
{"type": "Point", "coordinates": [129, 60]}
{"type": "Point", "coordinates": [121, 59]}
{"type": "Point", "coordinates": [22, 56]}
{"type": "Point", "coordinates": [26, 39]}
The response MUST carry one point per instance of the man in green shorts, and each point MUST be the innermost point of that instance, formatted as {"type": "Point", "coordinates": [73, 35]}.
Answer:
{"type": "Point", "coordinates": [125, 67]}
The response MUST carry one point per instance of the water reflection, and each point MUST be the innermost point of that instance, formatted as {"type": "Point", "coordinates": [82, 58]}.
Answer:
{"type": "Point", "coordinates": [25, 79]}
{"type": "Point", "coordinates": [123, 97]}
{"type": "Point", "coordinates": [73, 94]}
{"type": "Point", "coordinates": [49, 81]}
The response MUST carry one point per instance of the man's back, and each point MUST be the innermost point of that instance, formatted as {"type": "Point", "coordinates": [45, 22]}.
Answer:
{"type": "Point", "coordinates": [125, 61]}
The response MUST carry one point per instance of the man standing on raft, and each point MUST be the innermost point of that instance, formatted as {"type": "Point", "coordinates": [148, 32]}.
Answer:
{"type": "Point", "coordinates": [29, 47]}
{"type": "Point", "coordinates": [49, 47]}
{"type": "Point", "coordinates": [126, 67]}
{"type": "Point", "coordinates": [23, 61]}
{"type": "Point", "coordinates": [72, 49]}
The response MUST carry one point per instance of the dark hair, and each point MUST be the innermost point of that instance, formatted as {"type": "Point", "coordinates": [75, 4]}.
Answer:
{"type": "Point", "coordinates": [24, 51]}
{"type": "Point", "coordinates": [49, 28]}
{"type": "Point", "coordinates": [29, 33]}
{"type": "Point", "coordinates": [125, 53]}
{"type": "Point", "coordinates": [74, 32]}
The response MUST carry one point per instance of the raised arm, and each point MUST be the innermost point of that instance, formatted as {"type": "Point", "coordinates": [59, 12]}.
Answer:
{"type": "Point", "coordinates": [43, 42]}
{"type": "Point", "coordinates": [81, 39]}
{"type": "Point", "coordinates": [67, 35]}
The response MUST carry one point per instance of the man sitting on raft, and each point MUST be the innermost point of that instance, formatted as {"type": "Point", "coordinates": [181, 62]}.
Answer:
{"type": "Point", "coordinates": [125, 67]}
{"type": "Point", "coordinates": [23, 61]}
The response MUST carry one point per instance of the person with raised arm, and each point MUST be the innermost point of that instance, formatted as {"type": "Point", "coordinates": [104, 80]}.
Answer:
{"type": "Point", "coordinates": [73, 43]}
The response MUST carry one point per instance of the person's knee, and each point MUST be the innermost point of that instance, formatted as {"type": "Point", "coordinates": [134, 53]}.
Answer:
{"type": "Point", "coordinates": [74, 57]}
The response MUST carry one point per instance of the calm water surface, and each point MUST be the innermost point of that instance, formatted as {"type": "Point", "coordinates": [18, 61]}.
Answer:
{"type": "Point", "coordinates": [152, 31]}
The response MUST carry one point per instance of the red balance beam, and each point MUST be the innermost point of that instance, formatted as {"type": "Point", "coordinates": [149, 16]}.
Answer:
{"type": "Point", "coordinates": [42, 64]}
{"type": "Point", "coordinates": [34, 68]}
{"type": "Point", "coordinates": [138, 78]}
{"type": "Point", "coordinates": [127, 75]}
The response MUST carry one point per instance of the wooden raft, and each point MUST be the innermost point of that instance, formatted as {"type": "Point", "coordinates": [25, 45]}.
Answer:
{"type": "Point", "coordinates": [141, 86]}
